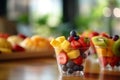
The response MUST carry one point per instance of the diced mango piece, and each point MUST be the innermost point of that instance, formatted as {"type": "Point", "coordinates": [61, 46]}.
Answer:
{"type": "Point", "coordinates": [110, 43]}
{"type": "Point", "coordinates": [73, 54]}
{"type": "Point", "coordinates": [58, 50]}
{"type": "Point", "coordinates": [61, 38]}
{"type": "Point", "coordinates": [55, 43]}
{"type": "Point", "coordinates": [66, 46]}
{"type": "Point", "coordinates": [109, 53]}
{"type": "Point", "coordinates": [101, 52]}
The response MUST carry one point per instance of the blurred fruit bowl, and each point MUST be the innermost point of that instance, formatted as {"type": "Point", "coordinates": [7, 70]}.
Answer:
{"type": "Point", "coordinates": [22, 46]}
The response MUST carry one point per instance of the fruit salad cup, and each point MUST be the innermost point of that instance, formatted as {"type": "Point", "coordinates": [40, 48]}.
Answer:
{"type": "Point", "coordinates": [108, 52]}
{"type": "Point", "coordinates": [70, 54]}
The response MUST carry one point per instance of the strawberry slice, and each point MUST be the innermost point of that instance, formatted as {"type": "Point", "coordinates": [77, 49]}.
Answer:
{"type": "Point", "coordinates": [113, 61]}
{"type": "Point", "coordinates": [103, 61]}
{"type": "Point", "coordinates": [78, 60]}
{"type": "Point", "coordinates": [83, 43]}
{"type": "Point", "coordinates": [18, 48]}
{"type": "Point", "coordinates": [75, 44]}
{"type": "Point", "coordinates": [62, 58]}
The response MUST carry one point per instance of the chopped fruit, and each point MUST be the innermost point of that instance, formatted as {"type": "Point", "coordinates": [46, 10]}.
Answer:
{"type": "Point", "coordinates": [66, 46]}
{"type": "Point", "coordinates": [58, 50]}
{"type": "Point", "coordinates": [113, 61]}
{"type": "Point", "coordinates": [62, 58]}
{"type": "Point", "coordinates": [101, 52]}
{"type": "Point", "coordinates": [4, 35]}
{"type": "Point", "coordinates": [70, 64]}
{"type": "Point", "coordinates": [5, 50]}
{"type": "Point", "coordinates": [22, 36]}
{"type": "Point", "coordinates": [92, 34]}
{"type": "Point", "coordinates": [84, 42]}
{"type": "Point", "coordinates": [116, 48]}
{"type": "Point", "coordinates": [14, 39]}
{"type": "Point", "coordinates": [75, 44]}
{"type": "Point", "coordinates": [64, 67]}
{"type": "Point", "coordinates": [73, 54]}
{"type": "Point", "coordinates": [78, 60]}
{"type": "Point", "coordinates": [70, 71]}
{"type": "Point", "coordinates": [70, 38]}
{"type": "Point", "coordinates": [73, 33]}
{"type": "Point", "coordinates": [103, 61]}
{"type": "Point", "coordinates": [103, 34]}
{"type": "Point", "coordinates": [61, 39]}
{"type": "Point", "coordinates": [76, 38]}
{"type": "Point", "coordinates": [100, 41]}
{"type": "Point", "coordinates": [55, 43]}
{"type": "Point", "coordinates": [115, 37]}
{"type": "Point", "coordinates": [76, 68]}
{"type": "Point", "coordinates": [18, 48]}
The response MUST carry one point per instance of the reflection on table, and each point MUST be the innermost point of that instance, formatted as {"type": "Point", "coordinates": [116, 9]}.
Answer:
{"type": "Point", "coordinates": [41, 69]}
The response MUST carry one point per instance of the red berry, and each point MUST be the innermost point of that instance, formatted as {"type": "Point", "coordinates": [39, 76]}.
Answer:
{"type": "Point", "coordinates": [103, 61]}
{"type": "Point", "coordinates": [62, 58]}
{"type": "Point", "coordinates": [78, 60]}
{"type": "Point", "coordinates": [113, 61]}
{"type": "Point", "coordinates": [18, 48]}
{"type": "Point", "coordinates": [93, 34]}
{"type": "Point", "coordinates": [4, 35]}
{"type": "Point", "coordinates": [22, 36]}
{"type": "Point", "coordinates": [75, 44]}
{"type": "Point", "coordinates": [82, 41]}
{"type": "Point", "coordinates": [104, 35]}
{"type": "Point", "coordinates": [70, 38]}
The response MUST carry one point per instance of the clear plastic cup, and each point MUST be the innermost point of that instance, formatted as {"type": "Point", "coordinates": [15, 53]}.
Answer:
{"type": "Point", "coordinates": [71, 62]}
{"type": "Point", "coordinates": [107, 59]}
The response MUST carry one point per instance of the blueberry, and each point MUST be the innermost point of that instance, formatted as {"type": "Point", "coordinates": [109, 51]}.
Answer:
{"type": "Point", "coordinates": [83, 55]}
{"type": "Point", "coordinates": [115, 37]}
{"type": "Point", "coordinates": [70, 64]}
{"type": "Point", "coordinates": [72, 33]}
{"type": "Point", "coordinates": [118, 64]}
{"type": "Point", "coordinates": [64, 68]}
{"type": "Point", "coordinates": [76, 37]}
{"type": "Point", "coordinates": [70, 70]}
{"type": "Point", "coordinates": [76, 68]}
{"type": "Point", "coordinates": [81, 68]}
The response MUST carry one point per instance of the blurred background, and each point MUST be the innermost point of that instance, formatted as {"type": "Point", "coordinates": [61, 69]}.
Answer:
{"type": "Point", "coordinates": [58, 17]}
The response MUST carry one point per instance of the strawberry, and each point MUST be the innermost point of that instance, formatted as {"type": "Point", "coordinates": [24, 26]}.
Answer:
{"type": "Point", "coordinates": [83, 43]}
{"type": "Point", "coordinates": [103, 61]}
{"type": "Point", "coordinates": [70, 38]}
{"type": "Point", "coordinates": [4, 35]}
{"type": "Point", "coordinates": [104, 35]}
{"type": "Point", "coordinates": [113, 60]}
{"type": "Point", "coordinates": [22, 36]}
{"type": "Point", "coordinates": [18, 48]}
{"type": "Point", "coordinates": [78, 60]}
{"type": "Point", "coordinates": [62, 58]}
{"type": "Point", "coordinates": [75, 44]}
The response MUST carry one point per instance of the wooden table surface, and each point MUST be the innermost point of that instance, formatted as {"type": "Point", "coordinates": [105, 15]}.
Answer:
{"type": "Point", "coordinates": [41, 69]}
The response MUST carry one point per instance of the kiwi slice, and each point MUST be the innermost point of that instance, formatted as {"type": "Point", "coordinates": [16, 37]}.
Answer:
{"type": "Point", "coordinates": [116, 48]}
{"type": "Point", "coordinates": [100, 41]}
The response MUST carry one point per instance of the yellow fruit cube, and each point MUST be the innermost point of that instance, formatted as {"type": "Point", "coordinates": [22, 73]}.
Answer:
{"type": "Point", "coordinates": [61, 39]}
{"type": "Point", "coordinates": [101, 51]}
{"type": "Point", "coordinates": [58, 50]}
{"type": "Point", "coordinates": [66, 46]}
{"type": "Point", "coordinates": [73, 54]}
{"type": "Point", "coordinates": [109, 53]}
{"type": "Point", "coordinates": [55, 43]}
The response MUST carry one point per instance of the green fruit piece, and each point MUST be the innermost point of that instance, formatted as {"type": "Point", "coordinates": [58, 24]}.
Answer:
{"type": "Point", "coordinates": [116, 48]}
{"type": "Point", "coordinates": [100, 41]}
